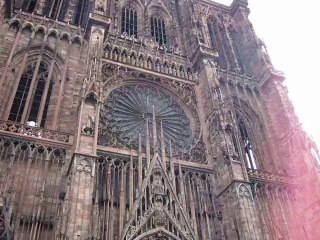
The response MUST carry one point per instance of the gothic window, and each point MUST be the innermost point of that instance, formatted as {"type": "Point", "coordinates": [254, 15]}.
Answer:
{"type": "Point", "coordinates": [40, 95]}
{"type": "Point", "coordinates": [81, 12]}
{"type": "Point", "coordinates": [225, 42]}
{"type": "Point", "coordinates": [237, 50]}
{"type": "Point", "coordinates": [56, 9]}
{"type": "Point", "coordinates": [129, 22]}
{"type": "Point", "coordinates": [29, 5]}
{"type": "Point", "coordinates": [247, 145]}
{"type": "Point", "coordinates": [21, 95]}
{"type": "Point", "coordinates": [216, 43]}
{"type": "Point", "coordinates": [158, 30]}
{"type": "Point", "coordinates": [130, 108]}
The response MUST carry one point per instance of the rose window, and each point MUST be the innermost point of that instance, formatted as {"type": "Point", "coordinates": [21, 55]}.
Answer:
{"type": "Point", "coordinates": [128, 109]}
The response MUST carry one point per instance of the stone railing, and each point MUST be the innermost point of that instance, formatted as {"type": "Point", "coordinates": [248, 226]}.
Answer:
{"type": "Point", "coordinates": [23, 131]}
{"type": "Point", "coordinates": [270, 177]}
{"type": "Point", "coordinates": [49, 26]}
{"type": "Point", "coordinates": [236, 78]}
{"type": "Point", "coordinates": [146, 54]}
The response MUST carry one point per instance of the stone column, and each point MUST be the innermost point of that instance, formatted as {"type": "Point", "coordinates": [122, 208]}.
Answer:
{"type": "Point", "coordinates": [77, 215]}
{"type": "Point", "coordinates": [238, 212]}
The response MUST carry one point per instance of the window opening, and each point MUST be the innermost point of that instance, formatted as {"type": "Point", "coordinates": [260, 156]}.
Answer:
{"type": "Point", "coordinates": [42, 78]}
{"type": "Point", "coordinates": [237, 51]}
{"type": "Point", "coordinates": [81, 10]}
{"type": "Point", "coordinates": [129, 22]}
{"type": "Point", "coordinates": [29, 5]}
{"type": "Point", "coordinates": [216, 44]}
{"type": "Point", "coordinates": [158, 30]}
{"type": "Point", "coordinates": [23, 90]}
{"type": "Point", "coordinates": [21, 94]}
{"type": "Point", "coordinates": [247, 145]}
{"type": "Point", "coordinates": [55, 10]}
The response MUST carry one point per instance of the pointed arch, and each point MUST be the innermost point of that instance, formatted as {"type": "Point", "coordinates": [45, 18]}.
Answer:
{"type": "Point", "coordinates": [40, 95]}
{"type": "Point", "coordinates": [39, 72]}
{"type": "Point", "coordinates": [247, 133]}
{"type": "Point", "coordinates": [246, 141]}
{"type": "Point", "coordinates": [236, 48]}
{"type": "Point", "coordinates": [155, 172]}
{"type": "Point", "coordinates": [164, 234]}
{"type": "Point", "coordinates": [216, 41]}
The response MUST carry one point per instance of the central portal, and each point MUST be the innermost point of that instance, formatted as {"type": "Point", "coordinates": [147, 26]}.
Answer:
{"type": "Point", "coordinates": [157, 234]}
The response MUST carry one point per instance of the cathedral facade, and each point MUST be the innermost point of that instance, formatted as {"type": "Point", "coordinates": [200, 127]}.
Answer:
{"type": "Point", "coordinates": [147, 119]}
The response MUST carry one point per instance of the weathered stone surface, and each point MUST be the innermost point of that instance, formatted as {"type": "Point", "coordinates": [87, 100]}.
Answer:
{"type": "Point", "coordinates": [202, 141]}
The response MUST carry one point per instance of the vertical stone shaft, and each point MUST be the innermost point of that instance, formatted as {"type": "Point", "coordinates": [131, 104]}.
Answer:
{"type": "Point", "coordinates": [47, 85]}
{"type": "Point", "coordinates": [61, 89]}
{"type": "Point", "coordinates": [163, 148]}
{"type": "Point", "coordinates": [173, 175]}
{"type": "Point", "coordinates": [140, 163]}
{"type": "Point", "coordinates": [122, 202]}
{"type": "Point", "coordinates": [154, 133]}
{"type": "Point", "coordinates": [147, 142]}
{"type": "Point", "coordinates": [131, 182]}
{"type": "Point", "coordinates": [80, 216]}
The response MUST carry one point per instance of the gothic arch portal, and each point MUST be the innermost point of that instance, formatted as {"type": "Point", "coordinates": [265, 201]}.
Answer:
{"type": "Point", "coordinates": [157, 234]}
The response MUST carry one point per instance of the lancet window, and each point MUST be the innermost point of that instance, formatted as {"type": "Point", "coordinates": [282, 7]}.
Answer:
{"type": "Point", "coordinates": [129, 22]}
{"type": "Point", "coordinates": [29, 5]}
{"type": "Point", "coordinates": [237, 50]}
{"type": "Point", "coordinates": [247, 145]}
{"type": "Point", "coordinates": [81, 12]}
{"type": "Point", "coordinates": [216, 43]}
{"type": "Point", "coordinates": [56, 9]}
{"type": "Point", "coordinates": [34, 112]}
{"type": "Point", "coordinates": [158, 30]}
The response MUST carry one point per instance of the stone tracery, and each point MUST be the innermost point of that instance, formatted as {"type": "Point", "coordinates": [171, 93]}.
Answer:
{"type": "Point", "coordinates": [179, 79]}
{"type": "Point", "coordinates": [129, 108]}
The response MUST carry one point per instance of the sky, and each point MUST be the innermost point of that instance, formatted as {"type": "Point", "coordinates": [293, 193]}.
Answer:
{"type": "Point", "coordinates": [291, 31]}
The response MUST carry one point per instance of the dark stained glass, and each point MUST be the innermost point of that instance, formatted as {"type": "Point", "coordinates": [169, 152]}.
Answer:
{"type": "Point", "coordinates": [129, 22]}
{"type": "Point", "coordinates": [23, 90]}
{"type": "Point", "coordinates": [158, 30]}
{"type": "Point", "coordinates": [29, 5]}
{"type": "Point", "coordinates": [129, 108]}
